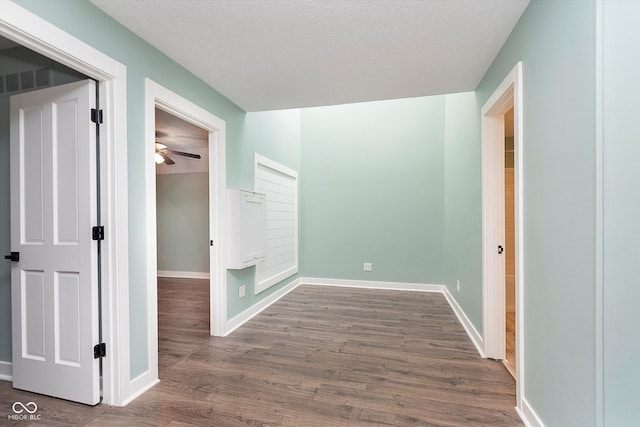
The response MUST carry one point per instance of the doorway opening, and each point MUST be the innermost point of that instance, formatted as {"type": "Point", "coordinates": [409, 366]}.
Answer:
{"type": "Point", "coordinates": [163, 106]}
{"type": "Point", "coordinates": [182, 218]}
{"type": "Point", "coordinates": [509, 247]}
{"type": "Point", "coordinates": [502, 226]}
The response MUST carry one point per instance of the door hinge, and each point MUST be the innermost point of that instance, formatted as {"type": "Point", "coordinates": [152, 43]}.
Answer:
{"type": "Point", "coordinates": [96, 116]}
{"type": "Point", "coordinates": [99, 350]}
{"type": "Point", "coordinates": [98, 232]}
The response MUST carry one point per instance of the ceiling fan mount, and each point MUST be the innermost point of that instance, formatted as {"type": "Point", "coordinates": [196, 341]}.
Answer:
{"type": "Point", "coordinates": [162, 152]}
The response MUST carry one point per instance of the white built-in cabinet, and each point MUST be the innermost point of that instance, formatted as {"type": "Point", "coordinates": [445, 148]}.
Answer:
{"type": "Point", "coordinates": [247, 240]}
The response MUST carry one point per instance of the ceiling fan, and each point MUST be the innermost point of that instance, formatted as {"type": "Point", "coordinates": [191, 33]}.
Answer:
{"type": "Point", "coordinates": [162, 157]}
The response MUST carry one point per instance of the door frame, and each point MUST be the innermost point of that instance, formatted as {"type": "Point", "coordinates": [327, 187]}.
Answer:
{"type": "Point", "coordinates": [509, 93]}
{"type": "Point", "coordinates": [157, 96]}
{"type": "Point", "coordinates": [33, 32]}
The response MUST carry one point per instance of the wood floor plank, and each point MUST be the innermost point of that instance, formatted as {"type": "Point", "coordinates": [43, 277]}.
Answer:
{"type": "Point", "coordinates": [321, 356]}
{"type": "Point", "coordinates": [510, 360]}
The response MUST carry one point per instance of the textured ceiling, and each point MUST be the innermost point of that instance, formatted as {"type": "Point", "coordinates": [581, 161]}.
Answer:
{"type": "Point", "coordinates": [278, 54]}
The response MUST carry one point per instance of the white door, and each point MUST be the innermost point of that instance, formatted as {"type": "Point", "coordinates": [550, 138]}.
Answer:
{"type": "Point", "coordinates": [54, 295]}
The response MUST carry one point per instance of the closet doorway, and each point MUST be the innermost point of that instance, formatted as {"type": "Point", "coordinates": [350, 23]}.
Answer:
{"type": "Point", "coordinates": [503, 227]}
{"type": "Point", "coordinates": [510, 245]}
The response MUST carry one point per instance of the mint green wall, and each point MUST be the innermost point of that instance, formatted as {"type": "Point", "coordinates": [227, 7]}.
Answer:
{"type": "Point", "coordinates": [556, 42]}
{"type": "Point", "coordinates": [244, 132]}
{"type": "Point", "coordinates": [372, 190]}
{"type": "Point", "coordinates": [182, 210]}
{"type": "Point", "coordinates": [463, 204]}
{"type": "Point", "coordinates": [275, 135]}
{"type": "Point", "coordinates": [621, 213]}
{"type": "Point", "coordinates": [272, 134]}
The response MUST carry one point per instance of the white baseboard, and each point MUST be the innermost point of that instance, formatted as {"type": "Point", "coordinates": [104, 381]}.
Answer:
{"type": "Point", "coordinates": [398, 286]}
{"type": "Point", "coordinates": [183, 274]}
{"type": "Point", "coordinates": [6, 371]}
{"type": "Point", "coordinates": [528, 415]}
{"type": "Point", "coordinates": [475, 337]}
{"type": "Point", "coordinates": [248, 314]}
{"type": "Point", "coordinates": [139, 385]}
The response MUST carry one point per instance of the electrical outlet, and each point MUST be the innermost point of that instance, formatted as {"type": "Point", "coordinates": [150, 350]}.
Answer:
{"type": "Point", "coordinates": [164, 258]}
{"type": "Point", "coordinates": [241, 291]}
{"type": "Point", "coordinates": [368, 266]}
{"type": "Point", "coordinates": [458, 285]}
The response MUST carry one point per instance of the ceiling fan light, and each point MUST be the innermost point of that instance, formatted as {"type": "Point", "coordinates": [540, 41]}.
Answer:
{"type": "Point", "coordinates": [159, 159]}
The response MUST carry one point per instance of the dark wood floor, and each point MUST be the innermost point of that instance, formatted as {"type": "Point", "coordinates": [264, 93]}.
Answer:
{"type": "Point", "coordinates": [321, 356]}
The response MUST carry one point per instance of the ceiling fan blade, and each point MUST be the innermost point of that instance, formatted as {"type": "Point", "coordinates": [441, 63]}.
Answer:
{"type": "Point", "coordinates": [182, 153]}
{"type": "Point", "coordinates": [166, 158]}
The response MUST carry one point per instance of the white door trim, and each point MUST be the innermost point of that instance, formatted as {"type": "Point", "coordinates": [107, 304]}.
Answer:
{"type": "Point", "coordinates": [160, 97]}
{"type": "Point", "coordinates": [33, 32]}
{"type": "Point", "coordinates": [493, 289]}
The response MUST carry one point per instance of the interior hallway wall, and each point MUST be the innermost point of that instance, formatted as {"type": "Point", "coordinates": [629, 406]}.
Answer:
{"type": "Point", "coordinates": [621, 213]}
{"type": "Point", "coordinates": [555, 40]}
{"type": "Point", "coordinates": [183, 222]}
{"type": "Point", "coordinates": [276, 136]}
{"type": "Point", "coordinates": [462, 248]}
{"type": "Point", "coordinates": [372, 190]}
